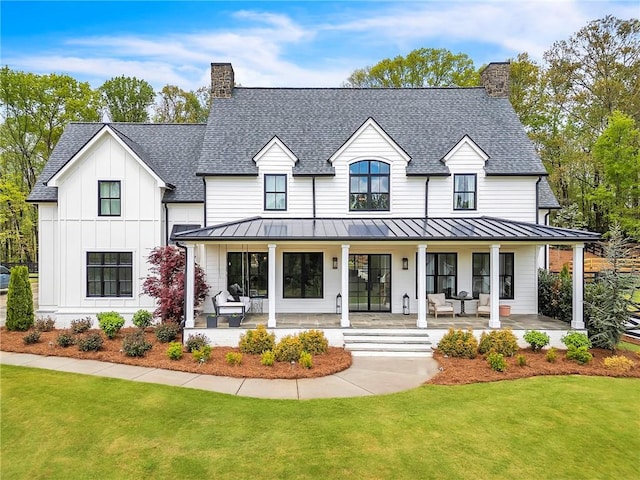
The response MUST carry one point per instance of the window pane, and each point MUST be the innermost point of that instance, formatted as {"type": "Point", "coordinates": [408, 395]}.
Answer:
{"type": "Point", "coordinates": [114, 207]}
{"type": "Point", "coordinates": [431, 264]}
{"type": "Point", "coordinates": [105, 189]}
{"type": "Point", "coordinates": [270, 201]}
{"type": "Point", "coordinates": [270, 183]}
{"type": "Point", "coordinates": [280, 183]}
{"type": "Point", "coordinates": [94, 258]}
{"type": "Point", "coordinates": [281, 201]}
{"type": "Point", "coordinates": [354, 168]}
{"type": "Point", "coordinates": [375, 167]}
{"type": "Point", "coordinates": [115, 189]}
{"type": "Point", "coordinates": [384, 167]}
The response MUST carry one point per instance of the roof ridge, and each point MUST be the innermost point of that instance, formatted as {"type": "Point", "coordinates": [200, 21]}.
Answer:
{"type": "Point", "coordinates": [452, 87]}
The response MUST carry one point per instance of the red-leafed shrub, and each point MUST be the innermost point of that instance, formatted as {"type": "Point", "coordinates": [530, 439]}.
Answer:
{"type": "Point", "coordinates": [166, 283]}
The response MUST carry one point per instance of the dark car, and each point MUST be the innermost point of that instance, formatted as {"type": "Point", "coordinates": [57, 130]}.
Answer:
{"type": "Point", "coordinates": [4, 277]}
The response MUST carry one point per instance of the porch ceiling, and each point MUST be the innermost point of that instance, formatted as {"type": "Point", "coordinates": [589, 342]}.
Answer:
{"type": "Point", "coordinates": [385, 229]}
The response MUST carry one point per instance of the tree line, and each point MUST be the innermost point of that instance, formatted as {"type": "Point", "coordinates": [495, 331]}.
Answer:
{"type": "Point", "coordinates": [580, 107]}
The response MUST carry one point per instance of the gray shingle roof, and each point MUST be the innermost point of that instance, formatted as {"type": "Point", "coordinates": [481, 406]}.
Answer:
{"type": "Point", "coordinates": [170, 150]}
{"type": "Point", "coordinates": [385, 229]}
{"type": "Point", "coordinates": [314, 123]}
{"type": "Point", "coordinates": [546, 197]}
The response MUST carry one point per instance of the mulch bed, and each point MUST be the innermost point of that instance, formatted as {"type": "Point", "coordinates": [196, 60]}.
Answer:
{"type": "Point", "coordinates": [335, 360]}
{"type": "Point", "coordinates": [454, 371]}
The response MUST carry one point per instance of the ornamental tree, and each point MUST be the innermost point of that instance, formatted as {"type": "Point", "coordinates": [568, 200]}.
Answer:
{"type": "Point", "coordinates": [166, 283]}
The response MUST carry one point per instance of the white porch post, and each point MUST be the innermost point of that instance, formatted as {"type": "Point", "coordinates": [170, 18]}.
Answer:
{"type": "Point", "coordinates": [422, 286]}
{"type": "Point", "coordinates": [344, 273]}
{"type": "Point", "coordinates": [577, 320]}
{"type": "Point", "coordinates": [494, 265]}
{"type": "Point", "coordinates": [189, 291]}
{"type": "Point", "coordinates": [271, 321]}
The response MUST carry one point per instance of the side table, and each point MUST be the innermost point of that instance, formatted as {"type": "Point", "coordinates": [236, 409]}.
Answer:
{"type": "Point", "coordinates": [462, 300]}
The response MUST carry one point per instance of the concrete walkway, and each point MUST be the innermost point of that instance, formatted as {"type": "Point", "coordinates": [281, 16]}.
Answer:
{"type": "Point", "coordinates": [366, 376]}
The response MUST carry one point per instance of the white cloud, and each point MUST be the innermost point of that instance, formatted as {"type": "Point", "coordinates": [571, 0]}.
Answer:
{"type": "Point", "coordinates": [274, 49]}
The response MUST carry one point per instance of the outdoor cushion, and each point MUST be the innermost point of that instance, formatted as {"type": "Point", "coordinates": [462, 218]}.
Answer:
{"type": "Point", "coordinates": [437, 299]}
{"type": "Point", "coordinates": [484, 299]}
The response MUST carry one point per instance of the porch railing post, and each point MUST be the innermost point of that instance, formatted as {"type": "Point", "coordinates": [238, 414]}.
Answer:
{"type": "Point", "coordinates": [344, 275]}
{"type": "Point", "coordinates": [422, 286]}
{"type": "Point", "coordinates": [494, 285]}
{"type": "Point", "coordinates": [271, 320]}
{"type": "Point", "coordinates": [577, 320]}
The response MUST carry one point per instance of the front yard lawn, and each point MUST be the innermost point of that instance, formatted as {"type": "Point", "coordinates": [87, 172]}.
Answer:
{"type": "Point", "coordinates": [61, 425]}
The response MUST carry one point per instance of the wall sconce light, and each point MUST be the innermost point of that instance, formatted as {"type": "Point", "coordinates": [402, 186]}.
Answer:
{"type": "Point", "coordinates": [405, 263]}
{"type": "Point", "coordinates": [335, 263]}
{"type": "Point", "coordinates": [339, 304]}
{"type": "Point", "coordinates": [405, 304]}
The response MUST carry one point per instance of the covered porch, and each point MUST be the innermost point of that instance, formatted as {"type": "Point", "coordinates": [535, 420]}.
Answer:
{"type": "Point", "coordinates": [376, 264]}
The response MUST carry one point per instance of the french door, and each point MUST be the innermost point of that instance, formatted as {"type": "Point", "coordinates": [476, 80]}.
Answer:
{"type": "Point", "coordinates": [370, 283]}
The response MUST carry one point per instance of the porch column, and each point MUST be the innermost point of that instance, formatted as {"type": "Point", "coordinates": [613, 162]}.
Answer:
{"type": "Point", "coordinates": [422, 286]}
{"type": "Point", "coordinates": [577, 320]}
{"type": "Point", "coordinates": [271, 321]}
{"type": "Point", "coordinates": [494, 285]}
{"type": "Point", "coordinates": [344, 272]}
{"type": "Point", "coordinates": [189, 290]}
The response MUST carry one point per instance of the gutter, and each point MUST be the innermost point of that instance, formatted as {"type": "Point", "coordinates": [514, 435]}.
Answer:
{"type": "Point", "coordinates": [426, 198]}
{"type": "Point", "coordinates": [538, 200]}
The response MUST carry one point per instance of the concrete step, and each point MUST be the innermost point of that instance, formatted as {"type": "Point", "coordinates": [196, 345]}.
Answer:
{"type": "Point", "coordinates": [388, 342]}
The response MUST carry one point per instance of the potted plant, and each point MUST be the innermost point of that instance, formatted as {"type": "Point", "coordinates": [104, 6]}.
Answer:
{"type": "Point", "coordinates": [212, 320]}
{"type": "Point", "coordinates": [235, 319]}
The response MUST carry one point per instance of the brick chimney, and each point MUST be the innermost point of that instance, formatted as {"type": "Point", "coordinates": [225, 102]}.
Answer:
{"type": "Point", "coordinates": [495, 79]}
{"type": "Point", "coordinates": [222, 80]}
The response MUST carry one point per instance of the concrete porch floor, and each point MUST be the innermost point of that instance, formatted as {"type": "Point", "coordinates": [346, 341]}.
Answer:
{"type": "Point", "coordinates": [391, 320]}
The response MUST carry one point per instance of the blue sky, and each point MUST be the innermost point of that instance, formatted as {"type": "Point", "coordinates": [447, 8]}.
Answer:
{"type": "Point", "coordinates": [313, 43]}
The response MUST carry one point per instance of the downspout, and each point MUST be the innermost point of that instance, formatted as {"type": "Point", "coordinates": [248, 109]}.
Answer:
{"type": "Point", "coordinates": [166, 224]}
{"type": "Point", "coordinates": [426, 198]}
{"type": "Point", "coordinates": [204, 220]}
{"type": "Point", "coordinates": [546, 248]}
{"type": "Point", "coordinates": [538, 200]}
{"type": "Point", "coordinates": [313, 194]}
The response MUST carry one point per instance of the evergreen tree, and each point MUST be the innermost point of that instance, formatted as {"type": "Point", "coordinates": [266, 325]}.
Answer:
{"type": "Point", "coordinates": [19, 300]}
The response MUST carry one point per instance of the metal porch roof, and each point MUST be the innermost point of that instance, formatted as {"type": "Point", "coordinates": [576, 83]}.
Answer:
{"type": "Point", "coordinates": [384, 229]}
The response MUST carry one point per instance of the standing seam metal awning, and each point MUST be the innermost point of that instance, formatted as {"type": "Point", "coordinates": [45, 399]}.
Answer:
{"type": "Point", "coordinates": [385, 229]}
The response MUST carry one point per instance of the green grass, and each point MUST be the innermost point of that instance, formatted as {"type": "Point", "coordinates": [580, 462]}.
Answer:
{"type": "Point", "coordinates": [628, 346]}
{"type": "Point", "coordinates": [60, 425]}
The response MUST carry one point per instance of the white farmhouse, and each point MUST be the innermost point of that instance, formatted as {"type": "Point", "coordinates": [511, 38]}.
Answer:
{"type": "Point", "coordinates": [313, 200]}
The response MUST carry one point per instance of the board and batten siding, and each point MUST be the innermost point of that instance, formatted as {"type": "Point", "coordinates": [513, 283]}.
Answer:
{"type": "Point", "coordinates": [81, 230]}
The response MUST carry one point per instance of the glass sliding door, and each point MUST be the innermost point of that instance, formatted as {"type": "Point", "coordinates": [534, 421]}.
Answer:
{"type": "Point", "coordinates": [370, 283]}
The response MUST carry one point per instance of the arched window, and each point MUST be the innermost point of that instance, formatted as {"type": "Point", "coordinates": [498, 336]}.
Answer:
{"type": "Point", "coordinates": [369, 185]}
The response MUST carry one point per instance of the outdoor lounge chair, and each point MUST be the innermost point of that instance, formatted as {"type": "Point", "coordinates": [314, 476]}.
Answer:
{"type": "Point", "coordinates": [484, 304]}
{"type": "Point", "coordinates": [439, 304]}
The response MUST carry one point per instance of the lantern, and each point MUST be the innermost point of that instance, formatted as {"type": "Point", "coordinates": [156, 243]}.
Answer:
{"type": "Point", "coordinates": [339, 304]}
{"type": "Point", "coordinates": [405, 304]}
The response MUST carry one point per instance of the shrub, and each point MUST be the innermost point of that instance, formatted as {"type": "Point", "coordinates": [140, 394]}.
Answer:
{"type": "Point", "coordinates": [167, 332]}
{"type": "Point", "coordinates": [288, 349]}
{"type": "Point", "coordinates": [174, 352]}
{"type": "Point", "coordinates": [196, 341]}
{"type": "Point", "coordinates": [268, 358]}
{"type": "Point", "coordinates": [457, 343]}
{"type": "Point", "coordinates": [305, 360]}
{"type": "Point", "coordinates": [19, 301]}
{"type": "Point", "coordinates": [81, 325]}
{"type": "Point", "coordinates": [499, 341]}
{"type": "Point", "coordinates": [257, 341]}
{"type": "Point", "coordinates": [537, 340]}
{"type": "Point", "coordinates": [234, 358]}
{"type": "Point", "coordinates": [44, 324]}
{"type": "Point", "coordinates": [165, 283]}
{"type": "Point", "coordinates": [90, 342]}
{"type": "Point", "coordinates": [142, 318]}
{"type": "Point", "coordinates": [496, 361]}
{"type": "Point", "coordinates": [65, 339]}
{"type": "Point", "coordinates": [314, 341]}
{"type": "Point", "coordinates": [135, 345]}
{"type": "Point", "coordinates": [522, 361]}
{"type": "Point", "coordinates": [579, 354]}
{"type": "Point", "coordinates": [555, 294]}
{"type": "Point", "coordinates": [618, 363]}
{"type": "Point", "coordinates": [32, 337]}
{"type": "Point", "coordinates": [576, 339]}
{"type": "Point", "coordinates": [552, 355]}
{"type": "Point", "coordinates": [202, 354]}
{"type": "Point", "coordinates": [110, 323]}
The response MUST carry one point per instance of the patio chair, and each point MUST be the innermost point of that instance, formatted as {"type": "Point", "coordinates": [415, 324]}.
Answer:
{"type": "Point", "coordinates": [484, 304]}
{"type": "Point", "coordinates": [439, 304]}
